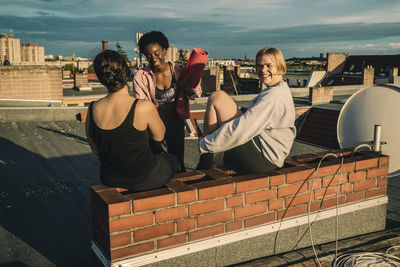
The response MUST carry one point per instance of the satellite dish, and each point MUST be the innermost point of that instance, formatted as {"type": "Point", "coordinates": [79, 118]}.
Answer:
{"type": "Point", "coordinates": [377, 105]}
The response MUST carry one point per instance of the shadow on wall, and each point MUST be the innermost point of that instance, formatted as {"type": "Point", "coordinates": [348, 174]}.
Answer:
{"type": "Point", "coordinates": [45, 207]}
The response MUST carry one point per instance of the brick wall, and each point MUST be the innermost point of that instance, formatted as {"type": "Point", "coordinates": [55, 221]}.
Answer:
{"type": "Point", "coordinates": [199, 205]}
{"type": "Point", "coordinates": [80, 79]}
{"type": "Point", "coordinates": [335, 62]}
{"type": "Point", "coordinates": [210, 80]}
{"type": "Point", "coordinates": [31, 82]}
{"type": "Point", "coordinates": [368, 75]}
{"type": "Point", "coordinates": [320, 95]}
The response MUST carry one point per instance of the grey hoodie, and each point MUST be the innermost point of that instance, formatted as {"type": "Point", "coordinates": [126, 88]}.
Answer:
{"type": "Point", "coordinates": [271, 115]}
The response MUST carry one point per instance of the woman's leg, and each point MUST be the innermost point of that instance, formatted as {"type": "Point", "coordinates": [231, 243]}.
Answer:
{"type": "Point", "coordinates": [220, 109]}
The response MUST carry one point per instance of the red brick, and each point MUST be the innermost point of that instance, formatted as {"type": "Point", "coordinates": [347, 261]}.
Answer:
{"type": "Point", "coordinates": [131, 222]}
{"type": "Point", "coordinates": [213, 189]}
{"type": "Point", "coordinates": [188, 176]}
{"type": "Point", "coordinates": [234, 226]}
{"type": "Point", "coordinates": [357, 176]}
{"type": "Point", "coordinates": [234, 201]}
{"type": "Point", "coordinates": [328, 170]}
{"type": "Point", "coordinates": [207, 232]}
{"type": "Point", "coordinates": [132, 250]}
{"type": "Point", "coordinates": [170, 214]}
{"type": "Point", "coordinates": [334, 180]}
{"type": "Point", "coordinates": [355, 196]}
{"type": "Point", "coordinates": [154, 231]}
{"type": "Point", "coordinates": [275, 204]}
{"type": "Point", "coordinates": [276, 180]}
{"type": "Point", "coordinates": [287, 190]}
{"type": "Point", "coordinates": [297, 200]}
{"type": "Point", "coordinates": [187, 224]}
{"type": "Point", "coordinates": [250, 210]}
{"type": "Point", "coordinates": [315, 183]}
{"type": "Point", "coordinates": [315, 206]}
{"type": "Point", "coordinates": [171, 241]}
{"type": "Point", "coordinates": [120, 239]}
{"type": "Point", "coordinates": [364, 185]}
{"type": "Point", "coordinates": [291, 212]}
{"type": "Point", "coordinates": [260, 219]}
{"type": "Point", "coordinates": [214, 218]}
{"type": "Point", "coordinates": [367, 163]}
{"type": "Point", "coordinates": [331, 202]}
{"type": "Point", "coordinates": [377, 172]}
{"type": "Point", "coordinates": [325, 192]}
{"type": "Point", "coordinates": [184, 192]}
{"type": "Point", "coordinates": [119, 209]}
{"type": "Point", "coordinates": [346, 188]}
{"type": "Point", "coordinates": [375, 192]}
{"type": "Point", "coordinates": [347, 167]}
{"type": "Point", "coordinates": [164, 199]}
{"type": "Point", "coordinates": [300, 175]}
{"type": "Point", "coordinates": [185, 197]}
{"type": "Point", "coordinates": [382, 182]}
{"type": "Point", "coordinates": [383, 161]}
{"type": "Point", "coordinates": [260, 196]}
{"type": "Point", "coordinates": [250, 183]}
{"type": "Point", "coordinates": [205, 207]}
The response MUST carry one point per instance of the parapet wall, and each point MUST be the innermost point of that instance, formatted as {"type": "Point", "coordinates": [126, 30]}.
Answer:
{"type": "Point", "coordinates": [201, 205]}
{"type": "Point", "coordinates": [31, 82]}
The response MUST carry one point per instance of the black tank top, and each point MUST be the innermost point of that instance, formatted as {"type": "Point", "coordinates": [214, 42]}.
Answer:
{"type": "Point", "coordinates": [123, 151]}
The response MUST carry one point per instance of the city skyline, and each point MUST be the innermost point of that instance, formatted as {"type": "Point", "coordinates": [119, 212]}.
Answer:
{"type": "Point", "coordinates": [227, 29]}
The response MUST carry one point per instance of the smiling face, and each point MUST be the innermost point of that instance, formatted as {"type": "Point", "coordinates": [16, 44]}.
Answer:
{"type": "Point", "coordinates": [155, 54]}
{"type": "Point", "coordinates": [267, 71]}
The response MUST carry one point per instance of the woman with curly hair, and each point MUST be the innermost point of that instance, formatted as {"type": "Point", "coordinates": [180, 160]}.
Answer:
{"type": "Point", "coordinates": [119, 128]}
{"type": "Point", "coordinates": [159, 83]}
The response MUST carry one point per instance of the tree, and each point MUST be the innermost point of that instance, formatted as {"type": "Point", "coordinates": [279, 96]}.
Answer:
{"type": "Point", "coordinates": [182, 57]}
{"type": "Point", "coordinates": [71, 67]}
{"type": "Point", "coordinates": [91, 69]}
{"type": "Point", "coordinates": [122, 52]}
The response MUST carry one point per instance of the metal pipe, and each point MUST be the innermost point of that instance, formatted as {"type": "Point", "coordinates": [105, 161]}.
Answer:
{"type": "Point", "coordinates": [377, 138]}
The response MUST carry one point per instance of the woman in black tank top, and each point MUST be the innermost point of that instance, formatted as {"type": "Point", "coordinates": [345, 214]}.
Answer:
{"type": "Point", "coordinates": [119, 129]}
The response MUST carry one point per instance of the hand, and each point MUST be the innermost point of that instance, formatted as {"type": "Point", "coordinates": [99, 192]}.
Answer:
{"type": "Point", "coordinates": [185, 84]}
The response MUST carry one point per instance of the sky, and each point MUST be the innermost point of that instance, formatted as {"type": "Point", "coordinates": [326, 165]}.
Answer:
{"type": "Point", "coordinates": [225, 28]}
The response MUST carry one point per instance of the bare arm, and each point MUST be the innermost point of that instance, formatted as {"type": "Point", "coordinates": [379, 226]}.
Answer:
{"type": "Point", "coordinates": [148, 118]}
{"type": "Point", "coordinates": [92, 145]}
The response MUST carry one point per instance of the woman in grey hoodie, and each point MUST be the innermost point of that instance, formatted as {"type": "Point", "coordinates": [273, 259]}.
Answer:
{"type": "Point", "coordinates": [260, 138]}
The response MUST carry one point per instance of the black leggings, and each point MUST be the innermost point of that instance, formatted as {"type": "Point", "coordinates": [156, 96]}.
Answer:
{"type": "Point", "coordinates": [247, 158]}
{"type": "Point", "coordinates": [174, 131]}
{"type": "Point", "coordinates": [165, 169]}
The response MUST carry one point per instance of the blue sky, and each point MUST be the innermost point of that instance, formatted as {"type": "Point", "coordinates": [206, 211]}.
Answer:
{"type": "Point", "coordinates": [226, 28]}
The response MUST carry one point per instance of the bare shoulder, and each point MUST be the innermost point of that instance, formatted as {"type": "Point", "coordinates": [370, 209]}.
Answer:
{"type": "Point", "coordinates": [144, 106]}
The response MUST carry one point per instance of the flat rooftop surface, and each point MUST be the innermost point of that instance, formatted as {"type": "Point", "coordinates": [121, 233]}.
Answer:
{"type": "Point", "coordinates": [46, 170]}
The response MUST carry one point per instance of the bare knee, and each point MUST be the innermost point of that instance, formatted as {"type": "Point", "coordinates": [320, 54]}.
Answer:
{"type": "Point", "coordinates": [219, 97]}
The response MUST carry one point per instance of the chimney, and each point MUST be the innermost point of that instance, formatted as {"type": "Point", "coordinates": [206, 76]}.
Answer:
{"type": "Point", "coordinates": [335, 62]}
{"type": "Point", "coordinates": [105, 45]}
{"type": "Point", "coordinates": [368, 75]}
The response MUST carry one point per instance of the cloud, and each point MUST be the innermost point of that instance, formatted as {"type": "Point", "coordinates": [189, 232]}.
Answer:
{"type": "Point", "coordinates": [222, 39]}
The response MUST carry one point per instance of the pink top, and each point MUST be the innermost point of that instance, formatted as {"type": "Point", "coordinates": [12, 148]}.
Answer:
{"type": "Point", "coordinates": [144, 83]}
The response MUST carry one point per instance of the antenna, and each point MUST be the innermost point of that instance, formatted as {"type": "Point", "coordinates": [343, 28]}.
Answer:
{"type": "Point", "coordinates": [370, 115]}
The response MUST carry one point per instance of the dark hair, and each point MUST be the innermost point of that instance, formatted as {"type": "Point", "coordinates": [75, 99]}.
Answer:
{"type": "Point", "coordinates": [111, 70]}
{"type": "Point", "coordinates": [151, 38]}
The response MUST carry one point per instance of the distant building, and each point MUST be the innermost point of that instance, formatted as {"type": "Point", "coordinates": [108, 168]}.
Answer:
{"type": "Point", "coordinates": [32, 52]}
{"type": "Point", "coordinates": [220, 62]}
{"type": "Point", "coordinates": [15, 53]}
{"type": "Point", "coordinates": [345, 69]}
{"type": "Point", "coordinates": [10, 49]}
{"type": "Point", "coordinates": [172, 53]}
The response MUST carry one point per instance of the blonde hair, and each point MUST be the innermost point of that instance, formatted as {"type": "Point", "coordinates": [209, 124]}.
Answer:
{"type": "Point", "coordinates": [276, 57]}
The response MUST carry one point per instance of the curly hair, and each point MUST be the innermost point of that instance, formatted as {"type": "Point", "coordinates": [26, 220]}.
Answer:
{"type": "Point", "coordinates": [151, 38]}
{"type": "Point", "coordinates": [111, 70]}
